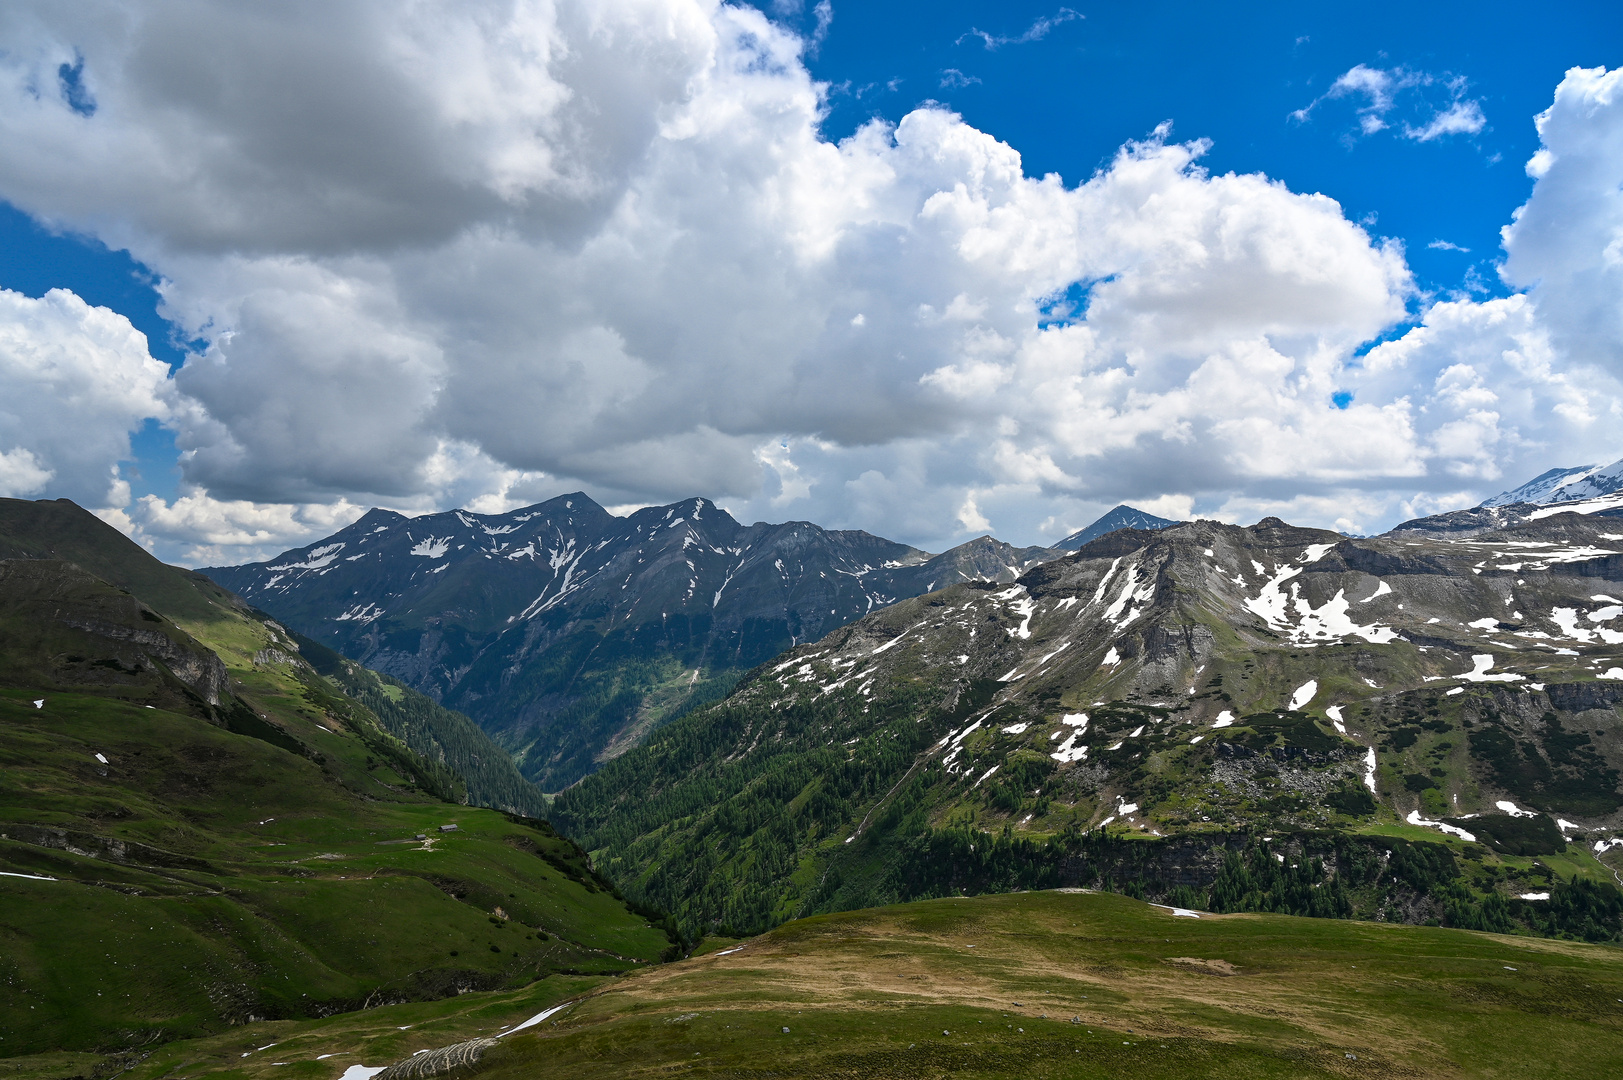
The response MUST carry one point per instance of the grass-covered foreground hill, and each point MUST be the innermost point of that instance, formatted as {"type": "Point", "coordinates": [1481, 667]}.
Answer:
{"type": "Point", "coordinates": [1037, 985]}
{"type": "Point", "coordinates": [1426, 726]}
{"type": "Point", "coordinates": [199, 830]}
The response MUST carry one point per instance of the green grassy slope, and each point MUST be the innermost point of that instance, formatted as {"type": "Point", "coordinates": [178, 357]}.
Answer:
{"type": "Point", "coordinates": [202, 878]}
{"type": "Point", "coordinates": [60, 529]}
{"type": "Point", "coordinates": [253, 647]}
{"type": "Point", "coordinates": [1048, 984]}
{"type": "Point", "coordinates": [197, 828]}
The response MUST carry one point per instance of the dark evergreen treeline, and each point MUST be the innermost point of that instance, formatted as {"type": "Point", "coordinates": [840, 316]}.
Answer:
{"type": "Point", "coordinates": [723, 840]}
{"type": "Point", "coordinates": [736, 818]}
{"type": "Point", "coordinates": [1313, 875]}
{"type": "Point", "coordinates": [447, 740]}
{"type": "Point", "coordinates": [426, 773]}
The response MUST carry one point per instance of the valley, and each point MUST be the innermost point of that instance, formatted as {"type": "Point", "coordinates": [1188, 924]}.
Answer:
{"type": "Point", "coordinates": [569, 633]}
{"type": "Point", "coordinates": [804, 540]}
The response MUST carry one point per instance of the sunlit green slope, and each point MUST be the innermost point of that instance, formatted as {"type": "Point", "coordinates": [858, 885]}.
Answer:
{"type": "Point", "coordinates": [197, 828]}
{"type": "Point", "coordinates": [1046, 985]}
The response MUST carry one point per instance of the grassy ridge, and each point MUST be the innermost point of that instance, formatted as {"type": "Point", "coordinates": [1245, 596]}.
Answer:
{"type": "Point", "coordinates": [1049, 984]}
{"type": "Point", "coordinates": [946, 987]}
{"type": "Point", "coordinates": [60, 529]}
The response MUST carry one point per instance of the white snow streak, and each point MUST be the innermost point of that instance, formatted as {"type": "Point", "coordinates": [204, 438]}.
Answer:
{"type": "Point", "coordinates": [538, 1017]}
{"type": "Point", "coordinates": [1414, 818]}
{"type": "Point", "coordinates": [895, 641]}
{"type": "Point", "coordinates": [318, 558]}
{"type": "Point", "coordinates": [1484, 662]}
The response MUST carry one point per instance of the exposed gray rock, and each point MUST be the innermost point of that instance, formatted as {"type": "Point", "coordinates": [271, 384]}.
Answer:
{"type": "Point", "coordinates": [439, 1062]}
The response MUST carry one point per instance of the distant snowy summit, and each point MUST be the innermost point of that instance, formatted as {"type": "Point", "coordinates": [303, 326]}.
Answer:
{"type": "Point", "coordinates": [1579, 484]}
{"type": "Point", "coordinates": [1587, 489]}
{"type": "Point", "coordinates": [1122, 517]}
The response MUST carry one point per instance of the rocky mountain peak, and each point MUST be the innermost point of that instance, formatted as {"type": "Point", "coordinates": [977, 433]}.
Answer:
{"type": "Point", "coordinates": [1120, 517]}
{"type": "Point", "coordinates": [1576, 484]}
{"type": "Point", "coordinates": [569, 632]}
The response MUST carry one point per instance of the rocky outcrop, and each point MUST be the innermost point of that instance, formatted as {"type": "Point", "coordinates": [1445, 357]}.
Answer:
{"type": "Point", "coordinates": [196, 666]}
{"type": "Point", "coordinates": [437, 1062]}
{"type": "Point", "coordinates": [92, 846]}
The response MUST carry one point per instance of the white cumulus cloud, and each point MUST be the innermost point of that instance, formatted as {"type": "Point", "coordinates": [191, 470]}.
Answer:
{"type": "Point", "coordinates": [1460, 118]}
{"type": "Point", "coordinates": [481, 253]}
{"type": "Point", "coordinates": [1566, 244]}
{"type": "Point", "coordinates": [74, 381]}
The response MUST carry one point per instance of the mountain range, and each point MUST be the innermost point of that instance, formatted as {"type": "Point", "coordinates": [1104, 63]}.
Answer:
{"type": "Point", "coordinates": [1173, 687]}
{"type": "Point", "coordinates": [1587, 490]}
{"type": "Point", "coordinates": [1122, 517]}
{"type": "Point", "coordinates": [569, 633]}
{"type": "Point", "coordinates": [1575, 485]}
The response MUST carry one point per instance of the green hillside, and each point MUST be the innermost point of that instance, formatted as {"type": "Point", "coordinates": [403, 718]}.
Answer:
{"type": "Point", "coordinates": [1047, 985]}
{"type": "Point", "coordinates": [433, 731]}
{"type": "Point", "coordinates": [60, 529]}
{"type": "Point", "coordinates": [737, 843]}
{"type": "Point", "coordinates": [198, 829]}
{"type": "Point", "coordinates": [253, 645]}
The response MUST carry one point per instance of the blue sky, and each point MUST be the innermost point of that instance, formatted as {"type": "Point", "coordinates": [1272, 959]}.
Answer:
{"type": "Point", "coordinates": [37, 259]}
{"type": "Point", "coordinates": [1082, 86]}
{"type": "Point", "coordinates": [1416, 119]}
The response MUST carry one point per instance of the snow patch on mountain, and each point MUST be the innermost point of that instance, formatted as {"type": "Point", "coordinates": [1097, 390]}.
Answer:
{"type": "Point", "coordinates": [1414, 818]}
{"type": "Point", "coordinates": [1543, 488]}
{"type": "Point", "coordinates": [435, 547]}
{"type": "Point", "coordinates": [1311, 625]}
{"type": "Point", "coordinates": [361, 613]}
{"type": "Point", "coordinates": [1482, 664]}
{"type": "Point", "coordinates": [316, 559]}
